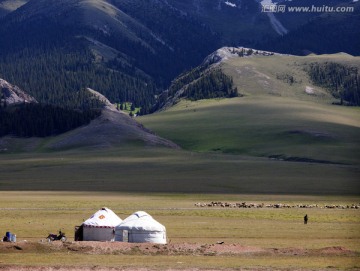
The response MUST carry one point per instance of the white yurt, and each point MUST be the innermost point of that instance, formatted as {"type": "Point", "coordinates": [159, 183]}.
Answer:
{"type": "Point", "coordinates": [101, 226]}
{"type": "Point", "coordinates": [140, 227]}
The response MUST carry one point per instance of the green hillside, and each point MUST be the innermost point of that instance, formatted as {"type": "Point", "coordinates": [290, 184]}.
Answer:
{"type": "Point", "coordinates": [278, 118]}
{"type": "Point", "coordinates": [272, 126]}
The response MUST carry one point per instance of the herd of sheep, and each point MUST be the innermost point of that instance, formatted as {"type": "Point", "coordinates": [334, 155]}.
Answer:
{"type": "Point", "coordinates": [276, 205]}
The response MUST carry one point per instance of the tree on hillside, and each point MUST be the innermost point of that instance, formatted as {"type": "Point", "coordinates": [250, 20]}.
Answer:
{"type": "Point", "coordinates": [28, 120]}
{"type": "Point", "coordinates": [342, 81]}
{"type": "Point", "coordinates": [214, 84]}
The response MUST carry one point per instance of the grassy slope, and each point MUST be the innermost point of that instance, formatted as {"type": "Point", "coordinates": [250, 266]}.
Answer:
{"type": "Point", "coordinates": [258, 75]}
{"type": "Point", "coordinates": [274, 117]}
{"type": "Point", "coordinates": [263, 127]}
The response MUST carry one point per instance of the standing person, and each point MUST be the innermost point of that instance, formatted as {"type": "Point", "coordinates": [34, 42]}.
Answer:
{"type": "Point", "coordinates": [306, 219]}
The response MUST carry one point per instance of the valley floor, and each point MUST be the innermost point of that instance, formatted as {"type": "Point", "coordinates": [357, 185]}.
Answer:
{"type": "Point", "coordinates": [199, 238]}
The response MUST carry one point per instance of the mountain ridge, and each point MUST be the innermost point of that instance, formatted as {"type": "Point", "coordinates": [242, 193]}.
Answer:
{"type": "Point", "coordinates": [284, 109]}
{"type": "Point", "coordinates": [294, 75]}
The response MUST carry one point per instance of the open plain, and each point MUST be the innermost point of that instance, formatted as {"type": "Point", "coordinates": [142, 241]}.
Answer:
{"type": "Point", "coordinates": [199, 238]}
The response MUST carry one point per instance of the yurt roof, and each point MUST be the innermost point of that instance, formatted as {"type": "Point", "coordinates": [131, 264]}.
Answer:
{"type": "Point", "coordinates": [141, 221]}
{"type": "Point", "coordinates": [103, 218]}
{"type": "Point", "coordinates": [136, 215]}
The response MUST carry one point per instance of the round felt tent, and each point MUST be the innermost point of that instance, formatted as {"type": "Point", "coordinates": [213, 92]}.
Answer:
{"type": "Point", "coordinates": [140, 227]}
{"type": "Point", "coordinates": [101, 226]}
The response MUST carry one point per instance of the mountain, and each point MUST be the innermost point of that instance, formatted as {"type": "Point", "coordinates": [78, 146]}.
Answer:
{"type": "Point", "coordinates": [238, 22]}
{"type": "Point", "coordinates": [58, 47]}
{"type": "Point", "coordinates": [111, 129]}
{"type": "Point", "coordinates": [287, 107]}
{"type": "Point", "coordinates": [299, 12]}
{"type": "Point", "coordinates": [131, 50]}
{"type": "Point", "coordinates": [108, 130]}
{"type": "Point", "coordinates": [320, 32]}
{"type": "Point", "coordinates": [335, 77]}
{"type": "Point", "coordinates": [23, 118]}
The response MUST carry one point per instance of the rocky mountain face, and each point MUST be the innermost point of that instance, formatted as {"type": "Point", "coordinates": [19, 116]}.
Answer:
{"type": "Point", "coordinates": [11, 94]}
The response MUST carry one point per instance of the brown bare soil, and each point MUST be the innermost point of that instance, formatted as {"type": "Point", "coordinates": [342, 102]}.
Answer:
{"type": "Point", "coordinates": [119, 248]}
{"type": "Point", "coordinates": [131, 248]}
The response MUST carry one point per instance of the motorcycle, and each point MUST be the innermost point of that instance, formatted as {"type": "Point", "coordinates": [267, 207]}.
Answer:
{"type": "Point", "coordinates": [54, 237]}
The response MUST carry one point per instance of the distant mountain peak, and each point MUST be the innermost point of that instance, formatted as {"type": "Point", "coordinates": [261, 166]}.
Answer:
{"type": "Point", "coordinates": [12, 94]}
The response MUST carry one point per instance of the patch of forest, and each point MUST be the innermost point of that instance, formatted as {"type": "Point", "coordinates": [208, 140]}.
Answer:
{"type": "Point", "coordinates": [199, 83]}
{"type": "Point", "coordinates": [38, 120]}
{"type": "Point", "coordinates": [342, 81]}
{"type": "Point", "coordinates": [57, 76]}
{"type": "Point", "coordinates": [214, 84]}
{"type": "Point", "coordinates": [54, 70]}
{"type": "Point", "coordinates": [54, 63]}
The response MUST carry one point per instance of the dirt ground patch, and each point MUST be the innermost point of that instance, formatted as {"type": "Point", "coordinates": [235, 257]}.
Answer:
{"type": "Point", "coordinates": [195, 249]}
{"type": "Point", "coordinates": [29, 268]}
{"type": "Point", "coordinates": [119, 248]}
{"type": "Point", "coordinates": [179, 249]}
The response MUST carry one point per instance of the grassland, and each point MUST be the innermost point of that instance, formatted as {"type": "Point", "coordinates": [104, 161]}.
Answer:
{"type": "Point", "coordinates": [262, 127]}
{"type": "Point", "coordinates": [32, 215]}
{"type": "Point", "coordinates": [147, 170]}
